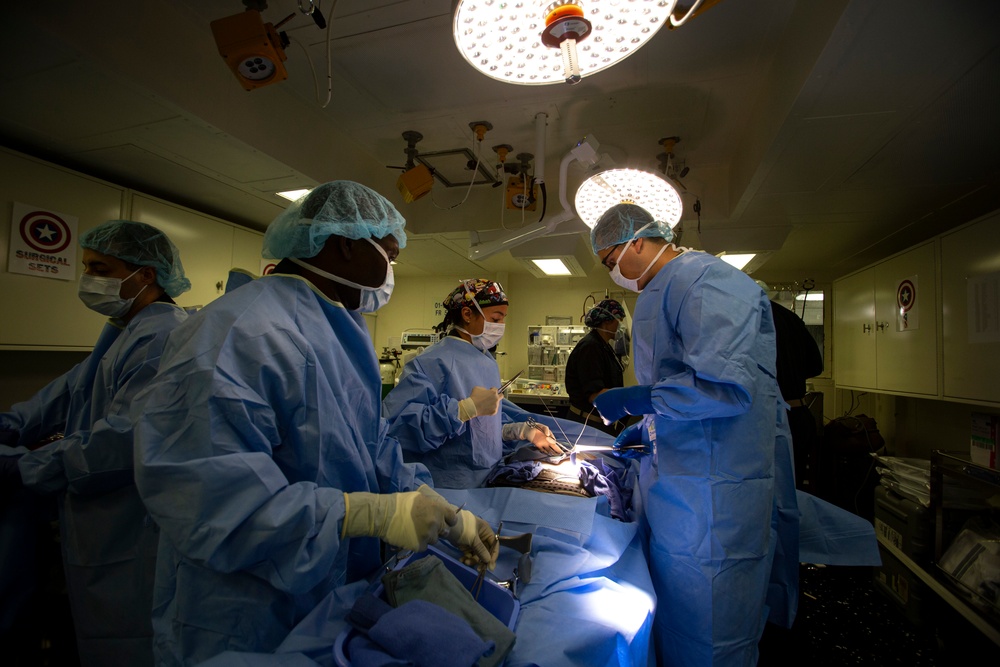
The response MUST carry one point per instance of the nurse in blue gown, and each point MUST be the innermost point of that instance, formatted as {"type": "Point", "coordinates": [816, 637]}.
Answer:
{"type": "Point", "coordinates": [718, 490]}
{"type": "Point", "coordinates": [445, 411]}
{"type": "Point", "coordinates": [262, 454]}
{"type": "Point", "coordinates": [131, 272]}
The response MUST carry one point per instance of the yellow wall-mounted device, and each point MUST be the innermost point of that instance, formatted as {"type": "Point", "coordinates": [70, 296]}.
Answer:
{"type": "Point", "coordinates": [251, 48]}
{"type": "Point", "coordinates": [414, 183]}
{"type": "Point", "coordinates": [519, 197]}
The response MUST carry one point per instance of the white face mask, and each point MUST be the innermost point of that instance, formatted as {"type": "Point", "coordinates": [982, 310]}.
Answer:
{"type": "Point", "coordinates": [372, 298]}
{"type": "Point", "coordinates": [103, 295]}
{"type": "Point", "coordinates": [491, 335]}
{"type": "Point", "coordinates": [632, 284]}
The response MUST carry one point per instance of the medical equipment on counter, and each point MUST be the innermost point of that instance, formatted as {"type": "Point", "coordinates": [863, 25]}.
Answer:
{"type": "Point", "coordinates": [414, 339]}
{"type": "Point", "coordinates": [389, 367]}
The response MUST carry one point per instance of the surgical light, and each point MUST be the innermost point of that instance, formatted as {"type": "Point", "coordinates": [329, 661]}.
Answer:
{"type": "Point", "coordinates": [628, 186]}
{"type": "Point", "coordinates": [517, 42]}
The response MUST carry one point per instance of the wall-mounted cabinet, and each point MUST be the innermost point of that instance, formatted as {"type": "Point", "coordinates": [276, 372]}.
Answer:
{"type": "Point", "coordinates": [970, 299]}
{"type": "Point", "coordinates": [885, 325]}
{"type": "Point", "coordinates": [45, 313]}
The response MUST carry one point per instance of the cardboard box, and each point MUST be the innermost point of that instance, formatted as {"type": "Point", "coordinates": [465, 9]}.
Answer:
{"type": "Point", "coordinates": [985, 438]}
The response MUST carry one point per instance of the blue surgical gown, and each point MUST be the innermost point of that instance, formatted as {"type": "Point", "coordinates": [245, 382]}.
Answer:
{"type": "Point", "coordinates": [266, 409]}
{"type": "Point", "coordinates": [109, 544]}
{"type": "Point", "coordinates": [704, 341]}
{"type": "Point", "coordinates": [423, 413]}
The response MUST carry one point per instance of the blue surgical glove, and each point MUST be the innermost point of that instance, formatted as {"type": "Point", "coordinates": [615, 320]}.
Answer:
{"type": "Point", "coordinates": [628, 444]}
{"type": "Point", "coordinates": [614, 404]}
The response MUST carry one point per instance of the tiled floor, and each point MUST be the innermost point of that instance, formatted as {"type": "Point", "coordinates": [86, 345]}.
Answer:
{"type": "Point", "coordinates": [844, 619]}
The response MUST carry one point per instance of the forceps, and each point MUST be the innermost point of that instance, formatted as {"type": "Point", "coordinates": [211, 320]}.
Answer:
{"type": "Point", "coordinates": [509, 382]}
{"type": "Point", "coordinates": [477, 585]}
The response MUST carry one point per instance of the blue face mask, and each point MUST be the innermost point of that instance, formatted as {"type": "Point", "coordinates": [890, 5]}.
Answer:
{"type": "Point", "coordinates": [103, 295]}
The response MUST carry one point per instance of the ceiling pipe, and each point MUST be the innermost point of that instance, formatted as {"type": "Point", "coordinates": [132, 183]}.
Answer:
{"type": "Point", "coordinates": [483, 250]}
{"type": "Point", "coordinates": [540, 122]}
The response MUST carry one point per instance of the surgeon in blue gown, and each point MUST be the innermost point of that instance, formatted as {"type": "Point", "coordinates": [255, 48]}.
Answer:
{"type": "Point", "coordinates": [262, 453]}
{"type": "Point", "coordinates": [130, 272]}
{"type": "Point", "coordinates": [445, 408]}
{"type": "Point", "coordinates": [718, 490]}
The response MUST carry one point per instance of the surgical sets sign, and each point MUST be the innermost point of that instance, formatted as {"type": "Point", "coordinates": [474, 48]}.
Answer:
{"type": "Point", "coordinates": [42, 243]}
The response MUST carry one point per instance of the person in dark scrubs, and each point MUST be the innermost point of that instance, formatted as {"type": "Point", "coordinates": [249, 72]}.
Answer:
{"type": "Point", "coordinates": [594, 366]}
{"type": "Point", "coordinates": [799, 358]}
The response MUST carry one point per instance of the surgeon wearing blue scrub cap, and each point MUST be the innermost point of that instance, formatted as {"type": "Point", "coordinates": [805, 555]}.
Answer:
{"type": "Point", "coordinates": [130, 272]}
{"type": "Point", "coordinates": [262, 453]}
{"type": "Point", "coordinates": [718, 490]}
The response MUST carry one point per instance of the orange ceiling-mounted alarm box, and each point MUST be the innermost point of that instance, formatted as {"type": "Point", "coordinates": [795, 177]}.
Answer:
{"type": "Point", "coordinates": [415, 183]}
{"type": "Point", "coordinates": [252, 49]}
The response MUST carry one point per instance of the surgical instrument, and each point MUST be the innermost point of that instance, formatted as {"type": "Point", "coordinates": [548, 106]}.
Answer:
{"type": "Point", "coordinates": [509, 382]}
{"type": "Point", "coordinates": [477, 585]}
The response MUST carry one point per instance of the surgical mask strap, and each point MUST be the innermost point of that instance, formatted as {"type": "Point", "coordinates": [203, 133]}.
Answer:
{"type": "Point", "coordinates": [344, 281]}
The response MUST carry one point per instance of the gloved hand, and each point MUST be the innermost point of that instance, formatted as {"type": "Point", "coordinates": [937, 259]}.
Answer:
{"type": "Point", "coordinates": [476, 539]}
{"type": "Point", "coordinates": [483, 401]}
{"type": "Point", "coordinates": [407, 520]}
{"type": "Point", "coordinates": [628, 444]}
{"type": "Point", "coordinates": [541, 437]}
{"type": "Point", "coordinates": [614, 404]}
{"type": "Point", "coordinates": [471, 534]}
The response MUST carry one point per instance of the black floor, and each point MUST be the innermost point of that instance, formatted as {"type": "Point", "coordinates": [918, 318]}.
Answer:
{"type": "Point", "coordinates": [844, 619]}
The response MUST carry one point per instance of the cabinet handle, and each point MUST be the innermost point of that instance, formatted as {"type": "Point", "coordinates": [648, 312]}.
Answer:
{"type": "Point", "coordinates": [866, 328]}
{"type": "Point", "coordinates": [882, 326]}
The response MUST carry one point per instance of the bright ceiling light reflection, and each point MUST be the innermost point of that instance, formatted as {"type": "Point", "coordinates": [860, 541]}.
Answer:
{"type": "Point", "coordinates": [502, 39]}
{"type": "Point", "coordinates": [738, 260]}
{"type": "Point", "coordinates": [552, 267]}
{"type": "Point", "coordinates": [628, 186]}
{"type": "Point", "coordinates": [292, 195]}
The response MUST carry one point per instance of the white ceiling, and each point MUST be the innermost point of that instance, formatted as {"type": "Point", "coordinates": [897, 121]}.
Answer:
{"type": "Point", "coordinates": [831, 132]}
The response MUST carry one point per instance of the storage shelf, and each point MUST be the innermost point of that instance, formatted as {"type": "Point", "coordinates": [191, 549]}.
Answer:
{"type": "Point", "coordinates": [956, 466]}
{"type": "Point", "coordinates": [944, 591]}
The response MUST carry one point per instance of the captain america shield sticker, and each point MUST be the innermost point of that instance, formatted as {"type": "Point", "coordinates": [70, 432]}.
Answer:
{"type": "Point", "coordinates": [42, 243]}
{"type": "Point", "coordinates": [907, 311]}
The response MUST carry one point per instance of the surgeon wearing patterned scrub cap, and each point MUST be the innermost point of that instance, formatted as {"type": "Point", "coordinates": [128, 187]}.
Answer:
{"type": "Point", "coordinates": [445, 409]}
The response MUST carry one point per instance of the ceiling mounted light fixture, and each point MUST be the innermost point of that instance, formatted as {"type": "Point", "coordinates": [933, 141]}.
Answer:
{"type": "Point", "coordinates": [536, 42]}
{"type": "Point", "coordinates": [628, 186]}
{"type": "Point", "coordinates": [253, 50]}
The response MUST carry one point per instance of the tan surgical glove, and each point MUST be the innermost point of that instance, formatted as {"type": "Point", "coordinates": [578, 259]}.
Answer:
{"type": "Point", "coordinates": [483, 401]}
{"type": "Point", "coordinates": [539, 435]}
{"type": "Point", "coordinates": [476, 539]}
{"type": "Point", "coordinates": [407, 520]}
{"type": "Point", "coordinates": [471, 534]}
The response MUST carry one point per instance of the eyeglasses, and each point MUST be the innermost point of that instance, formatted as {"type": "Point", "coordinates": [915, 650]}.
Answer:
{"type": "Point", "coordinates": [608, 256]}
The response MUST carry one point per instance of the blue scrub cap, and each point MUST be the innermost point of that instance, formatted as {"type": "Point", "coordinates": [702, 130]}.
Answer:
{"type": "Point", "coordinates": [620, 223]}
{"type": "Point", "coordinates": [344, 208]}
{"type": "Point", "coordinates": [143, 245]}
